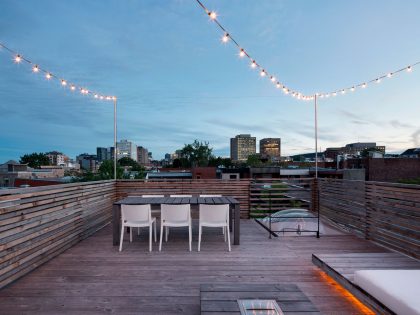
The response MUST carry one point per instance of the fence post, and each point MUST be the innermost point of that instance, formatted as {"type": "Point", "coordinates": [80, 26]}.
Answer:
{"type": "Point", "coordinates": [368, 211]}
{"type": "Point", "coordinates": [315, 201]}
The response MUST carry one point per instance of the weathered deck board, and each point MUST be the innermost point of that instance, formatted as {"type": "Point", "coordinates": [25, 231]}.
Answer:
{"type": "Point", "coordinates": [94, 278]}
{"type": "Point", "coordinates": [342, 267]}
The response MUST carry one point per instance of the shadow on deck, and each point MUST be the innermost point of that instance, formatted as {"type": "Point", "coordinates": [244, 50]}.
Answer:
{"type": "Point", "coordinates": [93, 277]}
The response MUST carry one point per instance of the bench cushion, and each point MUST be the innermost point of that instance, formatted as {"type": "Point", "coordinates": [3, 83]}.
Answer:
{"type": "Point", "coordinates": [399, 290]}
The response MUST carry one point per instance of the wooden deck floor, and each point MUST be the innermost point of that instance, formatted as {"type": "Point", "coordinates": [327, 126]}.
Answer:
{"type": "Point", "coordinates": [94, 278]}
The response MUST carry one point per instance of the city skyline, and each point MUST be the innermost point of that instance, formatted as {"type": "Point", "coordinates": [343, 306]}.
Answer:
{"type": "Point", "coordinates": [179, 83]}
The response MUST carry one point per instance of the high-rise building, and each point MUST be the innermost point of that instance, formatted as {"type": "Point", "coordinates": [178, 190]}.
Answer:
{"type": "Point", "coordinates": [242, 146]}
{"type": "Point", "coordinates": [88, 162]}
{"type": "Point", "coordinates": [126, 148]}
{"type": "Point", "coordinates": [142, 156]}
{"type": "Point", "coordinates": [102, 154]}
{"type": "Point", "coordinates": [271, 147]}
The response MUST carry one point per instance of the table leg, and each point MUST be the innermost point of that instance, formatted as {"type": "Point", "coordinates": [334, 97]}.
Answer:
{"type": "Point", "coordinates": [237, 229]}
{"type": "Point", "coordinates": [116, 218]}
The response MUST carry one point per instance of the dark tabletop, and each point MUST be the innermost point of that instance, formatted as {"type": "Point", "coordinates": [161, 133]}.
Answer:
{"type": "Point", "coordinates": [177, 200]}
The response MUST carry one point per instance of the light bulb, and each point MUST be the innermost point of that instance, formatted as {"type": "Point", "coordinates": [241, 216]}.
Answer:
{"type": "Point", "coordinates": [96, 95]}
{"type": "Point", "coordinates": [108, 98]}
{"type": "Point", "coordinates": [273, 79]}
{"type": "Point", "coordinates": [18, 58]}
{"type": "Point", "coordinates": [35, 69]}
{"type": "Point", "coordinates": [241, 53]}
{"type": "Point", "coordinates": [253, 64]}
{"type": "Point", "coordinates": [101, 97]}
{"type": "Point", "coordinates": [48, 76]}
{"type": "Point", "coordinates": [378, 80]}
{"type": "Point", "coordinates": [212, 15]}
{"type": "Point", "coordinates": [389, 75]}
{"type": "Point", "coordinates": [72, 88]}
{"type": "Point", "coordinates": [114, 98]}
{"type": "Point", "coordinates": [334, 94]}
{"type": "Point", "coordinates": [352, 89]}
{"type": "Point", "coordinates": [343, 91]}
{"type": "Point", "coordinates": [63, 82]}
{"type": "Point", "coordinates": [278, 85]}
{"type": "Point", "coordinates": [263, 73]}
{"type": "Point", "coordinates": [225, 38]}
{"type": "Point", "coordinates": [409, 69]}
{"type": "Point", "coordinates": [364, 85]}
{"type": "Point", "coordinates": [327, 95]}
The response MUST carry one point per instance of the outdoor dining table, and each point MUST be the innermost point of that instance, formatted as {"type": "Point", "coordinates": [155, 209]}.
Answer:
{"type": "Point", "coordinates": [234, 210]}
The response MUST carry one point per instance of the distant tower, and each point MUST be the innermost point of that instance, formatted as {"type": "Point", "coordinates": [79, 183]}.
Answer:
{"type": "Point", "coordinates": [242, 146]}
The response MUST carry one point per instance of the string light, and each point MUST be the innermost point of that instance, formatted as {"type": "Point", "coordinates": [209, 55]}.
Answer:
{"type": "Point", "coordinates": [17, 58]}
{"type": "Point", "coordinates": [264, 73]}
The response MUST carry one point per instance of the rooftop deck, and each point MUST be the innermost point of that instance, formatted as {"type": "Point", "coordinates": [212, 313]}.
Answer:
{"type": "Point", "coordinates": [93, 277]}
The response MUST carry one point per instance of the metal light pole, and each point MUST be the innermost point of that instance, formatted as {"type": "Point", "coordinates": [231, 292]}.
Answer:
{"type": "Point", "coordinates": [115, 138]}
{"type": "Point", "coordinates": [316, 137]}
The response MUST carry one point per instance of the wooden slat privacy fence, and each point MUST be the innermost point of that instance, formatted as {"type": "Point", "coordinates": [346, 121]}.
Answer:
{"type": "Point", "coordinates": [239, 189]}
{"type": "Point", "coordinates": [37, 224]}
{"type": "Point", "coordinates": [386, 213]}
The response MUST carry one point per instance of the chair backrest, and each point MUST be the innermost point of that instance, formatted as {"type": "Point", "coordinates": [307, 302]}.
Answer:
{"type": "Point", "coordinates": [204, 196]}
{"type": "Point", "coordinates": [180, 212]}
{"type": "Point", "coordinates": [186, 196]}
{"type": "Point", "coordinates": [153, 196]}
{"type": "Point", "coordinates": [136, 212]}
{"type": "Point", "coordinates": [214, 213]}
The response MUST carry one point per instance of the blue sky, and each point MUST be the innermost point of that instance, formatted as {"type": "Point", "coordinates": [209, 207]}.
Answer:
{"type": "Point", "coordinates": [176, 82]}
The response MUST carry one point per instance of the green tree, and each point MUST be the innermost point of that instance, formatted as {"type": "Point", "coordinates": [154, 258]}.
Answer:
{"type": "Point", "coordinates": [254, 160]}
{"type": "Point", "coordinates": [35, 160]}
{"type": "Point", "coordinates": [219, 161]}
{"type": "Point", "coordinates": [196, 154]}
{"type": "Point", "coordinates": [106, 170]}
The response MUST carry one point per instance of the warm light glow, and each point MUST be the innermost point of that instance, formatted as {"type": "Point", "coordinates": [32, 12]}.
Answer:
{"type": "Point", "coordinates": [225, 38]}
{"type": "Point", "coordinates": [101, 97]}
{"type": "Point", "coordinates": [114, 98]}
{"type": "Point", "coordinates": [253, 64]}
{"type": "Point", "coordinates": [108, 98]}
{"type": "Point", "coordinates": [364, 85]}
{"type": "Point", "coordinates": [278, 85]}
{"type": "Point", "coordinates": [96, 96]}
{"type": "Point", "coordinates": [334, 94]}
{"type": "Point", "coordinates": [378, 80]}
{"type": "Point", "coordinates": [63, 82]}
{"type": "Point", "coordinates": [409, 69]}
{"type": "Point", "coordinates": [389, 75]}
{"type": "Point", "coordinates": [327, 95]}
{"type": "Point", "coordinates": [263, 73]}
{"type": "Point", "coordinates": [286, 91]}
{"type": "Point", "coordinates": [18, 58]}
{"type": "Point", "coordinates": [273, 79]}
{"type": "Point", "coordinates": [212, 15]}
{"type": "Point", "coordinates": [343, 91]}
{"type": "Point", "coordinates": [241, 53]}
{"type": "Point", "coordinates": [72, 88]}
{"type": "Point", "coordinates": [335, 286]}
{"type": "Point", "coordinates": [35, 69]}
{"type": "Point", "coordinates": [352, 89]}
{"type": "Point", "coordinates": [48, 76]}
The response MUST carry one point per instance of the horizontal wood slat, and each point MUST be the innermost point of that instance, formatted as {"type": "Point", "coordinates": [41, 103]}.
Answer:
{"type": "Point", "coordinates": [238, 189]}
{"type": "Point", "coordinates": [37, 224]}
{"type": "Point", "coordinates": [386, 213]}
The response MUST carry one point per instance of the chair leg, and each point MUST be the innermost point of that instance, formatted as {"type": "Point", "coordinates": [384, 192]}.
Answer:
{"type": "Point", "coordinates": [224, 234]}
{"type": "Point", "coordinates": [131, 234]}
{"type": "Point", "coordinates": [122, 237]}
{"type": "Point", "coordinates": [228, 237]}
{"type": "Point", "coordinates": [155, 231]}
{"type": "Point", "coordinates": [199, 237]}
{"type": "Point", "coordinates": [150, 236]}
{"type": "Point", "coordinates": [166, 233]}
{"type": "Point", "coordinates": [161, 235]}
{"type": "Point", "coordinates": [190, 234]}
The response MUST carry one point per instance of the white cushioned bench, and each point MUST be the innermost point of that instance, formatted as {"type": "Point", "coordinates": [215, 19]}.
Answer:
{"type": "Point", "coordinates": [399, 290]}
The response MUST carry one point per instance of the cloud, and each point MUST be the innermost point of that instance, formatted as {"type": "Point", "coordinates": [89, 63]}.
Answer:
{"type": "Point", "coordinates": [416, 138]}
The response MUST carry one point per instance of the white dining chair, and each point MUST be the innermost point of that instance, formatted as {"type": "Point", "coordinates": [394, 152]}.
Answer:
{"type": "Point", "coordinates": [185, 196]}
{"type": "Point", "coordinates": [154, 212]}
{"type": "Point", "coordinates": [209, 196]}
{"type": "Point", "coordinates": [175, 216]}
{"type": "Point", "coordinates": [133, 216]}
{"type": "Point", "coordinates": [214, 216]}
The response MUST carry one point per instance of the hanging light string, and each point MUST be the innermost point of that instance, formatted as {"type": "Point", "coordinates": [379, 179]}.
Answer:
{"type": "Point", "coordinates": [18, 58]}
{"type": "Point", "coordinates": [227, 37]}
